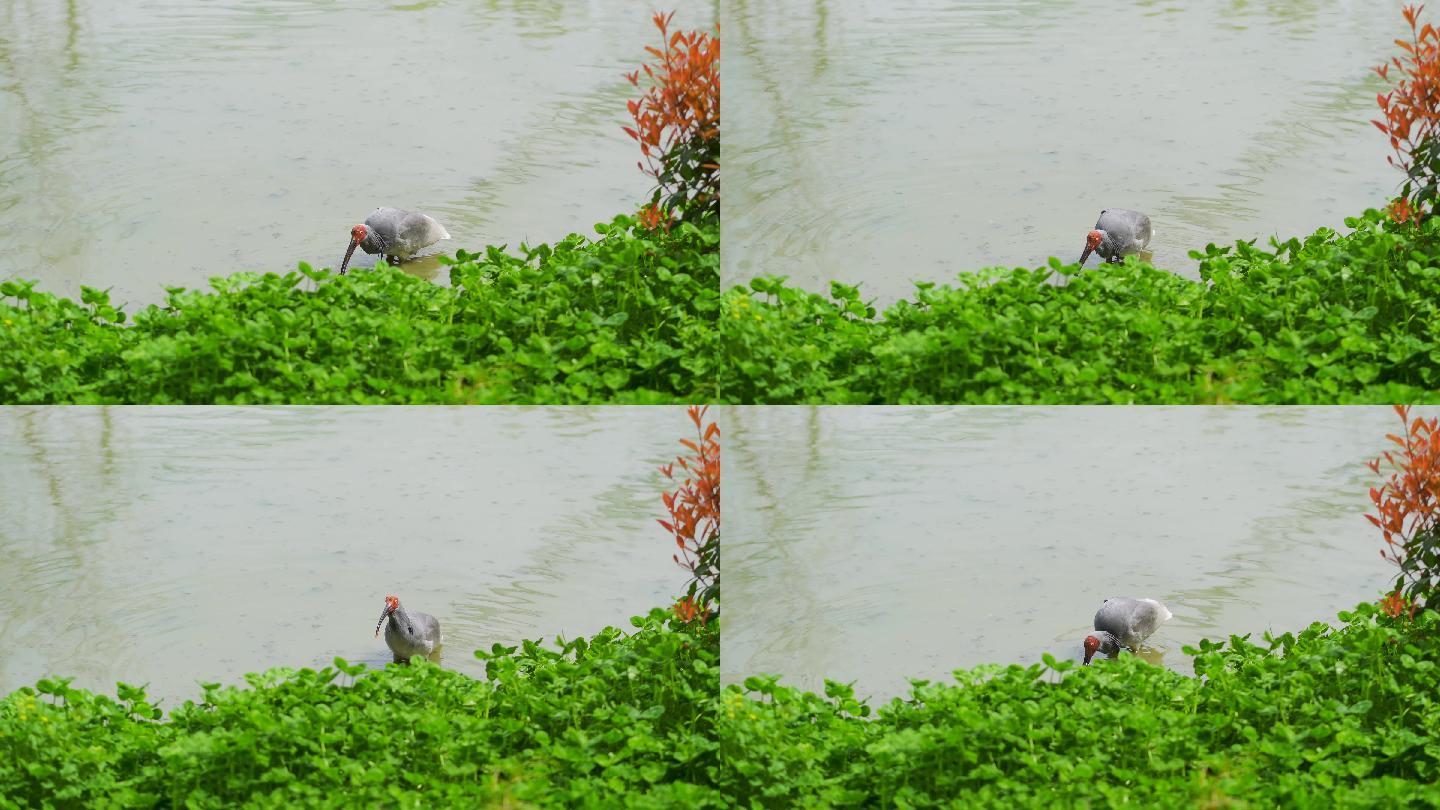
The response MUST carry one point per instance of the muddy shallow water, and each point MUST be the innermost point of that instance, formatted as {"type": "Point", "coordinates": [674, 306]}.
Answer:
{"type": "Point", "coordinates": [162, 142]}
{"type": "Point", "coordinates": [878, 544]}
{"type": "Point", "coordinates": [884, 143]}
{"type": "Point", "coordinates": [171, 546]}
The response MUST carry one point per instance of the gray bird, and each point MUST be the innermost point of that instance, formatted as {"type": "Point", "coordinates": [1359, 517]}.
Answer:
{"type": "Point", "coordinates": [1118, 233]}
{"type": "Point", "coordinates": [408, 634]}
{"type": "Point", "coordinates": [1124, 622]}
{"type": "Point", "coordinates": [395, 234]}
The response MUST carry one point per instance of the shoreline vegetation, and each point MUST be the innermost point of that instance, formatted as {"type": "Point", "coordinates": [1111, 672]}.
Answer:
{"type": "Point", "coordinates": [1340, 716]}
{"type": "Point", "coordinates": [618, 719]}
{"type": "Point", "coordinates": [626, 317]}
{"type": "Point", "coordinates": [1332, 318]}
{"type": "Point", "coordinates": [1326, 319]}
{"type": "Point", "coordinates": [1323, 319]}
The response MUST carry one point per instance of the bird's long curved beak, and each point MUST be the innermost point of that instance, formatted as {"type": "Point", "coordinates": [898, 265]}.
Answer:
{"type": "Point", "coordinates": [1083, 257]}
{"type": "Point", "coordinates": [344, 263]}
{"type": "Point", "coordinates": [383, 614]}
{"type": "Point", "coordinates": [1088, 655]}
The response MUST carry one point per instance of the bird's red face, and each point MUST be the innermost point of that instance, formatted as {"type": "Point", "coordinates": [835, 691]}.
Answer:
{"type": "Point", "coordinates": [1091, 645]}
{"type": "Point", "coordinates": [1092, 239]}
{"type": "Point", "coordinates": [357, 235]}
{"type": "Point", "coordinates": [391, 603]}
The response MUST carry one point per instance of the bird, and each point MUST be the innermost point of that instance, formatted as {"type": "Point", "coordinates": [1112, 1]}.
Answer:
{"type": "Point", "coordinates": [1118, 233]}
{"type": "Point", "coordinates": [408, 633]}
{"type": "Point", "coordinates": [394, 233]}
{"type": "Point", "coordinates": [1124, 622]}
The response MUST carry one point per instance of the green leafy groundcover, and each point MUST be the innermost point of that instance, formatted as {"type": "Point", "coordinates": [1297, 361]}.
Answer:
{"type": "Point", "coordinates": [1330, 319]}
{"type": "Point", "coordinates": [1332, 717]}
{"type": "Point", "coordinates": [627, 317]}
{"type": "Point", "coordinates": [620, 720]}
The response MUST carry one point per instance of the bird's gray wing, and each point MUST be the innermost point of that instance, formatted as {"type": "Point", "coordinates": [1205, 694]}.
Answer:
{"type": "Point", "coordinates": [418, 231]}
{"type": "Point", "coordinates": [1149, 615]}
{"type": "Point", "coordinates": [430, 627]}
{"type": "Point", "coordinates": [384, 225]}
{"type": "Point", "coordinates": [1114, 616]}
{"type": "Point", "coordinates": [386, 220]}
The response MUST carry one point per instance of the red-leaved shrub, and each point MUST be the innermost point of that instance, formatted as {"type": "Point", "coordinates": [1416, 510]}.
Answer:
{"type": "Point", "coordinates": [1408, 511]}
{"type": "Point", "coordinates": [1411, 117]}
{"type": "Point", "coordinates": [694, 522]}
{"type": "Point", "coordinates": [677, 124]}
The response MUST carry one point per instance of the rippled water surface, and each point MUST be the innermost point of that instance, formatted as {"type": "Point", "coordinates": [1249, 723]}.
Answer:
{"type": "Point", "coordinates": [878, 544]}
{"type": "Point", "coordinates": [171, 546]}
{"type": "Point", "coordinates": [883, 143]}
{"type": "Point", "coordinates": [162, 142]}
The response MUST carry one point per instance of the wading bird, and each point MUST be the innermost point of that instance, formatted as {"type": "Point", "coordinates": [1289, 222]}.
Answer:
{"type": "Point", "coordinates": [395, 234]}
{"type": "Point", "coordinates": [1118, 233]}
{"type": "Point", "coordinates": [1124, 622]}
{"type": "Point", "coordinates": [408, 634]}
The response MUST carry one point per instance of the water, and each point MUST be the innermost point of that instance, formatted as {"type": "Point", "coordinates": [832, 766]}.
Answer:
{"type": "Point", "coordinates": [882, 143]}
{"type": "Point", "coordinates": [878, 544]}
{"type": "Point", "coordinates": [172, 546]}
{"type": "Point", "coordinates": [162, 142]}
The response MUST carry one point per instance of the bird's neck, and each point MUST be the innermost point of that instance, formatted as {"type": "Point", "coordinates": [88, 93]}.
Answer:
{"type": "Point", "coordinates": [1109, 644]}
{"type": "Point", "coordinates": [400, 619]}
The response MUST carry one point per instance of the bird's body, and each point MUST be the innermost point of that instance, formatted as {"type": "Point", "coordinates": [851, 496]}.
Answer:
{"type": "Point", "coordinates": [394, 233]}
{"type": "Point", "coordinates": [1124, 622]}
{"type": "Point", "coordinates": [1118, 233]}
{"type": "Point", "coordinates": [408, 634]}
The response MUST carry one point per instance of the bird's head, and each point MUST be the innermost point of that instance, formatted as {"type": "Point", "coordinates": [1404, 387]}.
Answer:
{"type": "Point", "coordinates": [1092, 241]}
{"type": "Point", "coordinates": [391, 602]}
{"type": "Point", "coordinates": [1091, 645]}
{"type": "Point", "coordinates": [357, 235]}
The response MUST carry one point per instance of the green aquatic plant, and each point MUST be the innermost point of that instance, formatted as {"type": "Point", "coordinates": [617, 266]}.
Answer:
{"type": "Point", "coordinates": [624, 317]}
{"type": "Point", "coordinates": [614, 720]}
{"type": "Point", "coordinates": [1330, 318]}
{"type": "Point", "coordinates": [1328, 717]}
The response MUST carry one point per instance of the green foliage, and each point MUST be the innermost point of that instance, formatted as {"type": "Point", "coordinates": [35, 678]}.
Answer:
{"type": "Point", "coordinates": [615, 720]}
{"type": "Point", "coordinates": [1330, 717]}
{"type": "Point", "coordinates": [1330, 319]}
{"type": "Point", "coordinates": [628, 317]}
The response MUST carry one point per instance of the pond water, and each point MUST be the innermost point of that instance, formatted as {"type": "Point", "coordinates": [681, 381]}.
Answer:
{"type": "Point", "coordinates": [883, 143]}
{"type": "Point", "coordinates": [162, 142]}
{"type": "Point", "coordinates": [172, 546]}
{"type": "Point", "coordinates": [878, 544]}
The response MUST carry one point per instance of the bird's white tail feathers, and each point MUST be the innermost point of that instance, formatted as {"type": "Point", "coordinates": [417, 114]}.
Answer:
{"type": "Point", "coordinates": [1165, 614]}
{"type": "Point", "coordinates": [435, 231]}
